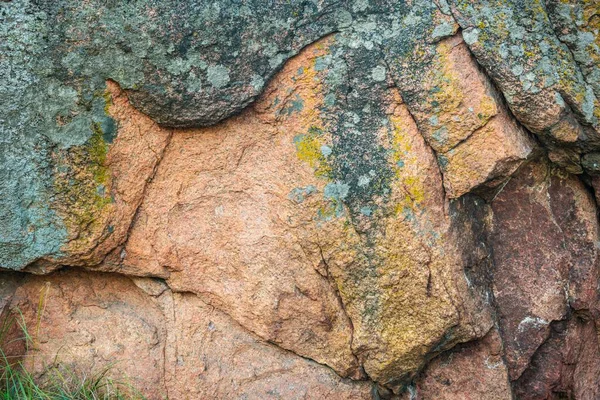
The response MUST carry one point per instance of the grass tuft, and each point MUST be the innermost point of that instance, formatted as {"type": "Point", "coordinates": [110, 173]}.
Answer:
{"type": "Point", "coordinates": [58, 382]}
{"type": "Point", "coordinates": [61, 384]}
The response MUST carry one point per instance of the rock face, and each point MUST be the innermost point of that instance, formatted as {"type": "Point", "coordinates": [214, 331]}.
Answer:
{"type": "Point", "coordinates": [164, 343]}
{"type": "Point", "coordinates": [545, 286]}
{"type": "Point", "coordinates": [278, 203]}
{"type": "Point", "coordinates": [471, 371]}
{"type": "Point", "coordinates": [355, 199]}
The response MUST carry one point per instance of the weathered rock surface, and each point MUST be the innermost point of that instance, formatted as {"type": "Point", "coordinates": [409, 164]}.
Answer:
{"type": "Point", "coordinates": [87, 321]}
{"type": "Point", "coordinates": [278, 204]}
{"type": "Point", "coordinates": [229, 242]}
{"type": "Point", "coordinates": [164, 344]}
{"type": "Point", "coordinates": [100, 188]}
{"type": "Point", "coordinates": [305, 199]}
{"type": "Point", "coordinates": [195, 64]}
{"type": "Point", "coordinates": [566, 364]}
{"type": "Point", "coordinates": [234, 363]}
{"type": "Point", "coordinates": [538, 278]}
{"type": "Point", "coordinates": [461, 116]}
{"type": "Point", "coordinates": [522, 47]}
{"type": "Point", "coordinates": [470, 371]}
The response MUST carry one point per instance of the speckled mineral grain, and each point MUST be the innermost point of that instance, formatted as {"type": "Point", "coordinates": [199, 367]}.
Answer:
{"type": "Point", "coordinates": [256, 199]}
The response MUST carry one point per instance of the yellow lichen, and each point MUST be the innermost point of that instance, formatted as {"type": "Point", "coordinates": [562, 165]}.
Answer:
{"type": "Point", "coordinates": [107, 102]}
{"type": "Point", "coordinates": [82, 185]}
{"type": "Point", "coordinates": [98, 150]}
{"type": "Point", "coordinates": [449, 94]}
{"type": "Point", "coordinates": [487, 108]}
{"type": "Point", "coordinates": [308, 149]}
{"type": "Point", "coordinates": [457, 108]}
{"type": "Point", "coordinates": [402, 157]}
{"type": "Point", "coordinates": [305, 84]}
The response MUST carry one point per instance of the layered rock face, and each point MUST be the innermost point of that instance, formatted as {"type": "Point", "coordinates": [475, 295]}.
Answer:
{"type": "Point", "coordinates": [346, 200]}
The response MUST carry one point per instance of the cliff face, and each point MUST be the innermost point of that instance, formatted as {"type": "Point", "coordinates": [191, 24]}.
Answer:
{"type": "Point", "coordinates": [305, 199]}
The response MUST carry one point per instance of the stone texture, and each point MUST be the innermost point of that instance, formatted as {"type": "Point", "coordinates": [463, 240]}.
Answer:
{"type": "Point", "coordinates": [325, 199]}
{"type": "Point", "coordinates": [210, 356]}
{"type": "Point", "coordinates": [576, 25]}
{"type": "Point", "coordinates": [545, 236]}
{"type": "Point", "coordinates": [566, 364]}
{"type": "Point", "coordinates": [522, 47]}
{"type": "Point", "coordinates": [461, 116]}
{"type": "Point", "coordinates": [97, 202]}
{"type": "Point", "coordinates": [95, 189]}
{"type": "Point", "coordinates": [172, 345]}
{"type": "Point", "coordinates": [591, 163]}
{"type": "Point", "coordinates": [85, 322]}
{"type": "Point", "coordinates": [56, 57]}
{"type": "Point", "coordinates": [8, 285]}
{"type": "Point", "coordinates": [242, 243]}
{"type": "Point", "coordinates": [471, 371]}
{"type": "Point", "coordinates": [9, 328]}
{"type": "Point", "coordinates": [277, 204]}
{"type": "Point", "coordinates": [196, 64]}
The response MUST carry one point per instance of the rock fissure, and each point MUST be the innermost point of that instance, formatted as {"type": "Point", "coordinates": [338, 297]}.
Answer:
{"type": "Point", "coordinates": [360, 374]}
{"type": "Point", "coordinates": [309, 224]}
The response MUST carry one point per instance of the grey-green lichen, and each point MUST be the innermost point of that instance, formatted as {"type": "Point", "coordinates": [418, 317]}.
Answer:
{"type": "Point", "coordinates": [534, 49]}
{"type": "Point", "coordinates": [197, 62]}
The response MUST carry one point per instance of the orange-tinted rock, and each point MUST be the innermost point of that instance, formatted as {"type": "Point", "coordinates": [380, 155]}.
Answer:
{"type": "Point", "coordinates": [246, 215]}
{"type": "Point", "coordinates": [324, 223]}
{"type": "Point", "coordinates": [543, 57]}
{"type": "Point", "coordinates": [103, 184]}
{"type": "Point", "coordinates": [163, 344]}
{"type": "Point", "coordinates": [89, 321]}
{"type": "Point", "coordinates": [226, 218]}
{"type": "Point", "coordinates": [210, 356]}
{"type": "Point", "coordinates": [407, 295]}
{"type": "Point", "coordinates": [487, 158]}
{"type": "Point", "coordinates": [461, 116]}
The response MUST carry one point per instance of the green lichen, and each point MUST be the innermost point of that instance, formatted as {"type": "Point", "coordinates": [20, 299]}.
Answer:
{"type": "Point", "coordinates": [107, 102]}
{"type": "Point", "coordinates": [98, 150]}
{"type": "Point", "coordinates": [82, 184]}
